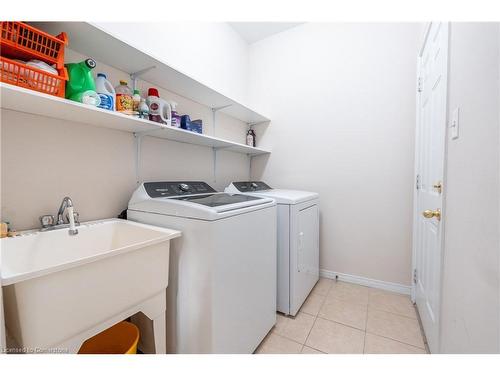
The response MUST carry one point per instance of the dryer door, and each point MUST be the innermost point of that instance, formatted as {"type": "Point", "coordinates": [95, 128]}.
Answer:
{"type": "Point", "coordinates": [305, 255]}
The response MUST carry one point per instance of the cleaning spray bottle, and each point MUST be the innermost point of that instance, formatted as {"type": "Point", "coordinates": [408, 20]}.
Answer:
{"type": "Point", "coordinates": [176, 118]}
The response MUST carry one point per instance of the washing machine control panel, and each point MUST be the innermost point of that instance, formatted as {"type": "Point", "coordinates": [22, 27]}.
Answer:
{"type": "Point", "coordinates": [176, 188]}
{"type": "Point", "coordinates": [247, 186]}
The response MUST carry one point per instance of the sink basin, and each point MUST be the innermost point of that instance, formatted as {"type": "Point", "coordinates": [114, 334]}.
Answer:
{"type": "Point", "coordinates": [58, 287]}
{"type": "Point", "coordinates": [34, 253]}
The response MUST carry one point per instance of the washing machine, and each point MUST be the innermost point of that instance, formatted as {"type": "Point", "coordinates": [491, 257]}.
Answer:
{"type": "Point", "coordinates": [221, 296]}
{"type": "Point", "coordinates": [298, 241]}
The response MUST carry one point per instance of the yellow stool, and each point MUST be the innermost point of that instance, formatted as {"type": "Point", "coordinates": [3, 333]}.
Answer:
{"type": "Point", "coordinates": [122, 338]}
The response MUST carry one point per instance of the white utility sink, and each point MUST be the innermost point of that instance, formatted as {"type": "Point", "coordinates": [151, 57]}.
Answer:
{"type": "Point", "coordinates": [60, 290]}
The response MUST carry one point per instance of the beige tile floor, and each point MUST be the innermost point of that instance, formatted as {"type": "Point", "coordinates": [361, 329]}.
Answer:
{"type": "Point", "coordinates": [344, 318]}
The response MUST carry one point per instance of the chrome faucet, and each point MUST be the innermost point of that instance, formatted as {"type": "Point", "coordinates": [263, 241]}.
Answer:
{"type": "Point", "coordinates": [49, 223]}
{"type": "Point", "coordinates": [66, 203]}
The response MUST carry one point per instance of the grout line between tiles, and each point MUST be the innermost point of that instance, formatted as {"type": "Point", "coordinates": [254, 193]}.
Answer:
{"type": "Point", "coordinates": [368, 307]}
{"type": "Point", "coordinates": [364, 342]}
{"type": "Point", "coordinates": [309, 333]}
{"type": "Point", "coordinates": [288, 338]}
{"type": "Point", "coordinates": [348, 302]}
{"type": "Point", "coordinates": [316, 317]}
{"type": "Point", "coordinates": [283, 337]}
{"type": "Point", "coordinates": [310, 347]}
{"type": "Point", "coordinates": [301, 312]}
{"type": "Point", "coordinates": [344, 324]}
{"type": "Point", "coordinates": [393, 339]}
{"type": "Point", "coordinates": [272, 331]}
{"type": "Point", "coordinates": [366, 324]}
{"type": "Point", "coordinates": [393, 313]}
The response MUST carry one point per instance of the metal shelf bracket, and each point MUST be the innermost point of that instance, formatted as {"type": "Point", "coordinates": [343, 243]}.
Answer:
{"type": "Point", "coordinates": [252, 124]}
{"type": "Point", "coordinates": [214, 112]}
{"type": "Point", "coordinates": [214, 156]}
{"type": "Point", "coordinates": [137, 145]}
{"type": "Point", "coordinates": [134, 76]}
{"type": "Point", "coordinates": [214, 149]}
{"type": "Point", "coordinates": [148, 132]}
{"type": "Point", "coordinates": [250, 158]}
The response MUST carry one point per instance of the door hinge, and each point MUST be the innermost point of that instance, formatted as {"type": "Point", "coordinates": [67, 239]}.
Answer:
{"type": "Point", "coordinates": [415, 279]}
{"type": "Point", "coordinates": [417, 182]}
{"type": "Point", "coordinates": [419, 84]}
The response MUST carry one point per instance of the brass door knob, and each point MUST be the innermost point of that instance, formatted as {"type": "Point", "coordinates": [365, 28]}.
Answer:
{"type": "Point", "coordinates": [429, 214]}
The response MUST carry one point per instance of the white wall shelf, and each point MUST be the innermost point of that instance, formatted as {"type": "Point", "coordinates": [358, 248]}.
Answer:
{"type": "Point", "coordinates": [23, 100]}
{"type": "Point", "coordinates": [90, 40]}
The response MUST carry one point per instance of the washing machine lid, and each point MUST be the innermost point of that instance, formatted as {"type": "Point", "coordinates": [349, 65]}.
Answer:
{"type": "Point", "coordinates": [261, 189]}
{"type": "Point", "coordinates": [217, 199]}
{"type": "Point", "coordinates": [193, 199]}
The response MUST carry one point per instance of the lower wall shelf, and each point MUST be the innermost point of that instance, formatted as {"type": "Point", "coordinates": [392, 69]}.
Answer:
{"type": "Point", "coordinates": [23, 100]}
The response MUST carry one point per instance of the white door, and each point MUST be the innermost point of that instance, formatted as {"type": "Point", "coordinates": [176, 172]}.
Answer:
{"type": "Point", "coordinates": [430, 148]}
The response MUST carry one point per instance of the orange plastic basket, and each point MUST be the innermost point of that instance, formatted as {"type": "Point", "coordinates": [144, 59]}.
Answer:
{"type": "Point", "coordinates": [21, 41]}
{"type": "Point", "coordinates": [20, 74]}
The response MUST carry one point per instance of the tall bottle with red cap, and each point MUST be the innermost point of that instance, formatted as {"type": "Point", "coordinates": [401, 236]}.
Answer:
{"type": "Point", "coordinates": [159, 109]}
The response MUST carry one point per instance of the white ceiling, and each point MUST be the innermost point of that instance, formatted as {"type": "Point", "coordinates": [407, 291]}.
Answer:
{"type": "Point", "coordinates": [255, 31]}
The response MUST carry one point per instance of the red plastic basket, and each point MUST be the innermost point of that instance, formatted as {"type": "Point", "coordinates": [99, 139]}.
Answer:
{"type": "Point", "coordinates": [21, 41]}
{"type": "Point", "coordinates": [20, 74]}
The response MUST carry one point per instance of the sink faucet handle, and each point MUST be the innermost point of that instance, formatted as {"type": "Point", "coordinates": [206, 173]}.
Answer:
{"type": "Point", "coordinates": [47, 220]}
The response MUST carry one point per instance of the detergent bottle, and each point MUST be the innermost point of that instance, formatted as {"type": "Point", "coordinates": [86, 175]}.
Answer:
{"type": "Point", "coordinates": [106, 92]}
{"type": "Point", "coordinates": [80, 86]}
{"type": "Point", "coordinates": [159, 109]}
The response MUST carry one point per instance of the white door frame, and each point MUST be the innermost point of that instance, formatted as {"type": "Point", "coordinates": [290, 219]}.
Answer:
{"type": "Point", "coordinates": [416, 212]}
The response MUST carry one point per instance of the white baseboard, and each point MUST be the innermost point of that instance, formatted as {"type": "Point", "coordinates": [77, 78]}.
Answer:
{"type": "Point", "coordinates": [385, 285]}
